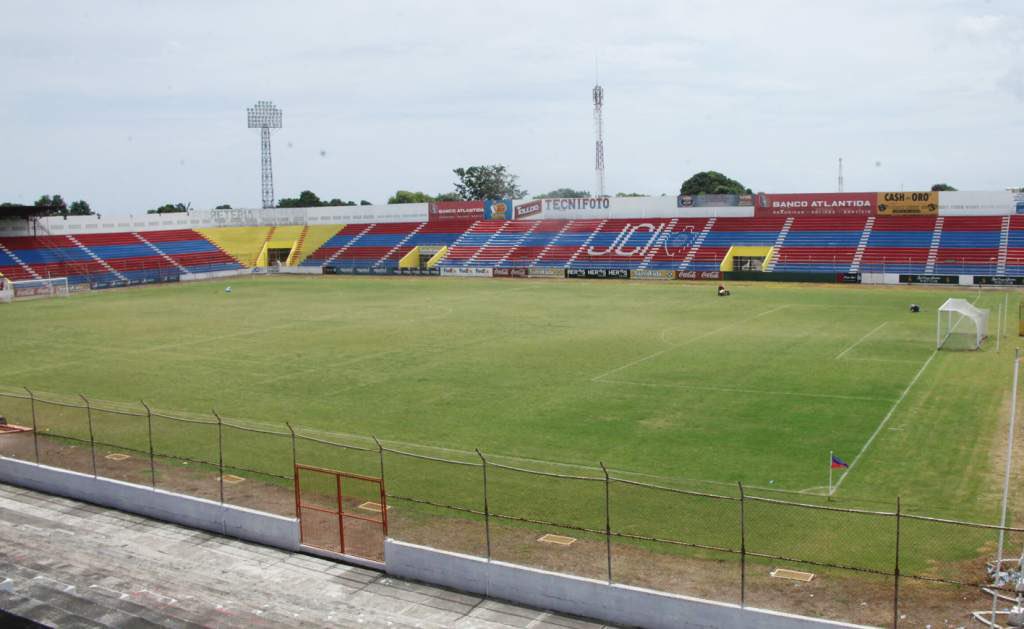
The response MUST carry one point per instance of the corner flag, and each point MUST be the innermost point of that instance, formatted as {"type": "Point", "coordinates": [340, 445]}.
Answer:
{"type": "Point", "coordinates": [838, 463]}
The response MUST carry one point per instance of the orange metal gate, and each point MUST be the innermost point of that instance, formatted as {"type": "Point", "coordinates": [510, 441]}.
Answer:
{"type": "Point", "coordinates": [340, 512]}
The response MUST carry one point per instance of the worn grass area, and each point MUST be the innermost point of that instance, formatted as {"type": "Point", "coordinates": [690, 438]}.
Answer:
{"type": "Point", "coordinates": [660, 381]}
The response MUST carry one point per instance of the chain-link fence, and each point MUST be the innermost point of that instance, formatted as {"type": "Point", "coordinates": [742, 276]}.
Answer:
{"type": "Point", "coordinates": [811, 557]}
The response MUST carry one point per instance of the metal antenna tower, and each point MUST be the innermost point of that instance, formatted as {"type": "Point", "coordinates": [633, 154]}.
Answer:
{"type": "Point", "coordinates": [264, 116]}
{"type": "Point", "coordinates": [840, 174]}
{"type": "Point", "coordinates": [598, 136]}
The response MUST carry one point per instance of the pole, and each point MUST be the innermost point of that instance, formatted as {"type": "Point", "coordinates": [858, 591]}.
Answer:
{"type": "Point", "coordinates": [92, 439]}
{"type": "Point", "coordinates": [896, 571]}
{"type": "Point", "coordinates": [1009, 458]}
{"type": "Point", "coordinates": [1006, 312]}
{"type": "Point", "coordinates": [487, 508]}
{"type": "Point", "coordinates": [220, 452]}
{"type": "Point", "coordinates": [295, 461]}
{"type": "Point", "coordinates": [298, 490]}
{"type": "Point", "coordinates": [35, 429]}
{"type": "Point", "coordinates": [607, 518]}
{"type": "Point", "coordinates": [743, 547]}
{"type": "Point", "coordinates": [380, 451]}
{"type": "Point", "coordinates": [999, 326]}
{"type": "Point", "coordinates": [149, 428]}
{"type": "Point", "coordinates": [830, 475]}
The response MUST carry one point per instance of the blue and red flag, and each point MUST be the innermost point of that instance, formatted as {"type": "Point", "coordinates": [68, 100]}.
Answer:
{"type": "Point", "coordinates": [838, 464]}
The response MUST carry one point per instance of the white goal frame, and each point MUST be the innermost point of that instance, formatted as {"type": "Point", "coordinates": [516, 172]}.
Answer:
{"type": "Point", "coordinates": [965, 310]}
{"type": "Point", "coordinates": [39, 289]}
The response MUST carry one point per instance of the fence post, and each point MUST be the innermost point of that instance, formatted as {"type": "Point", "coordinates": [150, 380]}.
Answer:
{"type": "Point", "coordinates": [35, 429]}
{"type": "Point", "coordinates": [92, 439]}
{"type": "Point", "coordinates": [743, 546]}
{"type": "Point", "coordinates": [295, 479]}
{"type": "Point", "coordinates": [607, 518]}
{"type": "Point", "coordinates": [149, 430]}
{"type": "Point", "coordinates": [896, 572]}
{"type": "Point", "coordinates": [380, 452]}
{"type": "Point", "coordinates": [220, 452]}
{"type": "Point", "coordinates": [487, 506]}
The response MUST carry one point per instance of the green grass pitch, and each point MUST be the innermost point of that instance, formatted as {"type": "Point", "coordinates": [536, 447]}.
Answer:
{"type": "Point", "coordinates": [660, 380]}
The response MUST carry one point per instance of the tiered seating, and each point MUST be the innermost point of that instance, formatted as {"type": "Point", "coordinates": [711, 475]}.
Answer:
{"type": "Point", "coordinates": [503, 243]}
{"type": "Point", "coordinates": [128, 255]}
{"type": "Point", "coordinates": [57, 256]}
{"type": "Point", "coordinates": [899, 244]}
{"type": "Point", "coordinates": [969, 245]}
{"type": "Point", "coordinates": [471, 242]}
{"type": "Point", "coordinates": [345, 237]}
{"type": "Point", "coordinates": [10, 268]}
{"type": "Point", "coordinates": [561, 248]}
{"type": "Point", "coordinates": [729, 232]}
{"type": "Point", "coordinates": [532, 245]}
{"type": "Point", "coordinates": [189, 249]}
{"type": "Point", "coordinates": [1014, 247]}
{"type": "Point", "coordinates": [374, 245]}
{"type": "Point", "coordinates": [820, 244]}
{"type": "Point", "coordinates": [674, 249]}
{"type": "Point", "coordinates": [618, 244]}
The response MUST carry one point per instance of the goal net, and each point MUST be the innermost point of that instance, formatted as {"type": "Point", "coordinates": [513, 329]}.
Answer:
{"type": "Point", "coordinates": [960, 325]}
{"type": "Point", "coordinates": [38, 289]}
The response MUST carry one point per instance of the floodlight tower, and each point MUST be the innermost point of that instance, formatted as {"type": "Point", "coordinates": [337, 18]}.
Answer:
{"type": "Point", "coordinates": [840, 182]}
{"type": "Point", "coordinates": [598, 139]}
{"type": "Point", "coordinates": [264, 116]}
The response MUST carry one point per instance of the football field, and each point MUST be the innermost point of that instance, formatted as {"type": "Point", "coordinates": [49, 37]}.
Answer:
{"type": "Point", "coordinates": [657, 380]}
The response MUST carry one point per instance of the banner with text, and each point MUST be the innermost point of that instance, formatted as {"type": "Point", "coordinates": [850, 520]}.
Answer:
{"type": "Point", "coordinates": [908, 203]}
{"type": "Point", "coordinates": [820, 204]}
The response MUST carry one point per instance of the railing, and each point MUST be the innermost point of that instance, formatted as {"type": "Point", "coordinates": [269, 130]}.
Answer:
{"type": "Point", "coordinates": [877, 565]}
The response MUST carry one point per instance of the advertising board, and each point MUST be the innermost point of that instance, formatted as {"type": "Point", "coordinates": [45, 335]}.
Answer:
{"type": "Point", "coordinates": [964, 203]}
{"type": "Point", "coordinates": [995, 280]}
{"type": "Point", "coordinates": [530, 208]}
{"type": "Point", "coordinates": [929, 279]}
{"type": "Point", "coordinates": [698, 275]}
{"type": "Point", "coordinates": [848, 278]}
{"type": "Point", "coordinates": [823, 204]}
{"type": "Point", "coordinates": [546, 271]}
{"type": "Point", "coordinates": [467, 271]}
{"type": "Point", "coordinates": [598, 274]}
{"type": "Point", "coordinates": [452, 210]}
{"type": "Point", "coordinates": [908, 203]}
{"type": "Point", "coordinates": [714, 200]}
{"type": "Point", "coordinates": [653, 274]}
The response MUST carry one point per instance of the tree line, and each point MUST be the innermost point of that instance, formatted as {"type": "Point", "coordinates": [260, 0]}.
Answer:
{"type": "Point", "coordinates": [489, 181]}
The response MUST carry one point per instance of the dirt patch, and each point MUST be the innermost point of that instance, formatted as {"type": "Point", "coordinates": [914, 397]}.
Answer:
{"type": "Point", "coordinates": [834, 594]}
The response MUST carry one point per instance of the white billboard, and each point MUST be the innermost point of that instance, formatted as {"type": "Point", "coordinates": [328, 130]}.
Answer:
{"type": "Point", "coordinates": [984, 203]}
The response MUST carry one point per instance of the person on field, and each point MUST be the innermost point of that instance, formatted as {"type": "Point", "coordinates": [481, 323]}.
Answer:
{"type": "Point", "coordinates": [722, 291]}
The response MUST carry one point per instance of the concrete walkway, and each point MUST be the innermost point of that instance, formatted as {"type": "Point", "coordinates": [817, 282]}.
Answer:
{"type": "Point", "coordinates": [69, 564]}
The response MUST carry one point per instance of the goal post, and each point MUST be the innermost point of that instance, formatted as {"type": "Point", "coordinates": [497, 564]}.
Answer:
{"type": "Point", "coordinates": [39, 289]}
{"type": "Point", "coordinates": [960, 325]}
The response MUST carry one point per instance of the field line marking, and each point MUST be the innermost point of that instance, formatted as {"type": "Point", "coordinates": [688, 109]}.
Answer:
{"type": "Point", "coordinates": [861, 340]}
{"type": "Point", "coordinates": [686, 342]}
{"type": "Point", "coordinates": [885, 420]}
{"type": "Point", "coordinates": [753, 391]}
{"type": "Point", "coordinates": [886, 360]}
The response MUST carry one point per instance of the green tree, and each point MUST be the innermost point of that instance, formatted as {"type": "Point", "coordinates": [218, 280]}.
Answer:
{"type": "Point", "coordinates": [407, 196]}
{"type": "Point", "coordinates": [224, 206]}
{"type": "Point", "coordinates": [170, 208]}
{"type": "Point", "coordinates": [712, 182]}
{"type": "Point", "coordinates": [487, 182]}
{"type": "Point", "coordinates": [943, 187]}
{"type": "Point", "coordinates": [365, 202]}
{"type": "Point", "coordinates": [447, 196]}
{"type": "Point", "coordinates": [306, 198]}
{"type": "Point", "coordinates": [60, 207]}
{"type": "Point", "coordinates": [338, 202]}
{"type": "Point", "coordinates": [564, 193]}
{"type": "Point", "coordinates": [80, 208]}
{"type": "Point", "coordinates": [630, 194]}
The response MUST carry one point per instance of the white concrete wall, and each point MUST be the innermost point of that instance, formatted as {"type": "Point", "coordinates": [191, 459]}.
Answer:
{"type": "Point", "coordinates": [620, 604]}
{"type": "Point", "coordinates": [254, 526]}
{"type": "Point", "coordinates": [976, 203]}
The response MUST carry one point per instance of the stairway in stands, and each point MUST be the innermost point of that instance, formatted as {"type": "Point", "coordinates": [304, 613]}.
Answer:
{"type": "Point", "coordinates": [337, 253]}
{"type": "Point", "coordinates": [1004, 246]}
{"type": "Point", "coordinates": [933, 249]}
{"type": "Point", "coordinates": [296, 253]}
{"type": "Point", "coordinates": [862, 244]}
{"type": "Point", "coordinates": [779, 241]}
{"type": "Point", "coordinates": [26, 268]}
{"type": "Point", "coordinates": [98, 259]}
{"type": "Point", "coordinates": [697, 242]}
{"type": "Point", "coordinates": [586, 243]}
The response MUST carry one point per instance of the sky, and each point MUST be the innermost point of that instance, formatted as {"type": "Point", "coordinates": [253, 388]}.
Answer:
{"type": "Point", "coordinates": [133, 104]}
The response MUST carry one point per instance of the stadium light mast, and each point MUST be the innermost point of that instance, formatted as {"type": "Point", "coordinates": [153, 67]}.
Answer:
{"type": "Point", "coordinates": [840, 175]}
{"type": "Point", "coordinates": [598, 94]}
{"type": "Point", "coordinates": [265, 116]}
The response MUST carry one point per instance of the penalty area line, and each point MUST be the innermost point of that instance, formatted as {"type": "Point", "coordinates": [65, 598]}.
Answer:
{"type": "Point", "coordinates": [861, 340]}
{"type": "Point", "coordinates": [881, 425]}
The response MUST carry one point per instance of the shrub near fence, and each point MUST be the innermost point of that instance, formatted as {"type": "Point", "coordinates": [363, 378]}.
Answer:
{"type": "Point", "coordinates": [871, 566]}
